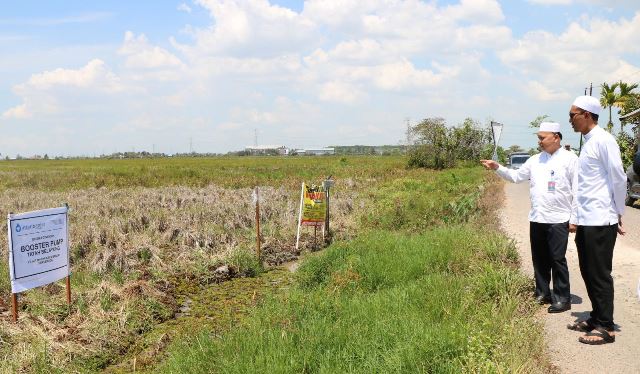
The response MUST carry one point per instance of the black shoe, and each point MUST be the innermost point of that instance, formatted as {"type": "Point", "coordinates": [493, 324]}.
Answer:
{"type": "Point", "coordinates": [559, 307]}
{"type": "Point", "coordinates": [543, 300]}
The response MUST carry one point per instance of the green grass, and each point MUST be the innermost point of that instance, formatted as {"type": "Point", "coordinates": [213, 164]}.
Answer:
{"type": "Point", "coordinates": [425, 199]}
{"type": "Point", "coordinates": [424, 289]}
{"type": "Point", "coordinates": [384, 303]}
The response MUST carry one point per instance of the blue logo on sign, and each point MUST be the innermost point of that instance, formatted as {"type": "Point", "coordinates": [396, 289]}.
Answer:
{"type": "Point", "coordinates": [18, 228]}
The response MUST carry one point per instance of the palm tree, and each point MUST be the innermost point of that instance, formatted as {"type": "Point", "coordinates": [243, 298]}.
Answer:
{"type": "Point", "coordinates": [626, 93]}
{"type": "Point", "coordinates": [608, 98]}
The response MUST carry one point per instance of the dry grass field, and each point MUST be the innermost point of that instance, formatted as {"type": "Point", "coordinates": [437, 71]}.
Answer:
{"type": "Point", "coordinates": [146, 233]}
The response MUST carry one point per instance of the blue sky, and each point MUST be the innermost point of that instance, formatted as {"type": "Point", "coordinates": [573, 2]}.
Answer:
{"type": "Point", "coordinates": [85, 78]}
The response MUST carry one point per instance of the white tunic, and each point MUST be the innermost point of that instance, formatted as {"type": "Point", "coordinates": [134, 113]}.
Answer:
{"type": "Point", "coordinates": [601, 181]}
{"type": "Point", "coordinates": [551, 178]}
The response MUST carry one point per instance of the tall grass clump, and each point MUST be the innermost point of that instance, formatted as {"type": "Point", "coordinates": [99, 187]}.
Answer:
{"type": "Point", "coordinates": [418, 291]}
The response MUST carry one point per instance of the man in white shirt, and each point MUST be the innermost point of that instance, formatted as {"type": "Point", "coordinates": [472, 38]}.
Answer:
{"type": "Point", "coordinates": [551, 176]}
{"type": "Point", "coordinates": [596, 217]}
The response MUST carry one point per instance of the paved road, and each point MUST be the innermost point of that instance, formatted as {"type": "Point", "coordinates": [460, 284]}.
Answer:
{"type": "Point", "coordinates": [566, 352]}
{"type": "Point", "coordinates": [631, 223]}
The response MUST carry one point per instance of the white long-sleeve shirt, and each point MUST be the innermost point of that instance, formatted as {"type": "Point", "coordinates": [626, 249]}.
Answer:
{"type": "Point", "coordinates": [601, 181]}
{"type": "Point", "coordinates": [551, 178]}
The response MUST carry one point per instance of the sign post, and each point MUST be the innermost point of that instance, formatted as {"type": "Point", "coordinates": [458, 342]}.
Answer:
{"type": "Point", "coordinates": [300, 216]}
{"type": "Point", "coordinates": [38, 251]}
{"type": "Point", "coordinates": [14, 307]}
{"type": "Point", "coordinates": [496, 131]}
{"type": "Point", "coordinates": [256, 199]}
{"type": "Point", "coordinates": [327, 184]}
{"type": "Point", "coordinates": [313, 209]}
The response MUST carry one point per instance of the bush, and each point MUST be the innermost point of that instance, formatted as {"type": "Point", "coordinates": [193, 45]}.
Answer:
{"type": "Point", "coordinates": [625, 142]}
{"type": "Point", "coordinates": [437, 147]}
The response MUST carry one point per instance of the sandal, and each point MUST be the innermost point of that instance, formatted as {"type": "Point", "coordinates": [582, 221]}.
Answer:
{"type": "Point", "coordinates": [601, 333]}
{"type": "Point", "coordinates": [581, 326]}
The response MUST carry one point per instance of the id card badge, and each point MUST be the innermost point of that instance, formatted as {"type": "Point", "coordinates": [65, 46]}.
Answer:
{"type": "Point", "coordinates": [551, 184]}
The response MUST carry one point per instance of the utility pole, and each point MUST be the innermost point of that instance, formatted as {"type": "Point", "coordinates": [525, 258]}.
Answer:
{"type": "Point", "coordinates": [255, 137]}
{"type": "Point", "coordinates": [408, 123]}
{"type": "Point", "coordinates": [190, 145]}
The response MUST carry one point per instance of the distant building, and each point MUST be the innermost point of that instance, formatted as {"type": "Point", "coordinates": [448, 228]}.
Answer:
{"type": "Point", "coordinates": [316, 151]}
{"type": "Point", "coordinates": [267, 150]}
{"type": "Point", "coordinates": [370, 149]}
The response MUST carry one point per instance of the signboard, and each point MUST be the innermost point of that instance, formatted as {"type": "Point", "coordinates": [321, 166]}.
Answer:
{"type": "Point", "coordinates": [314, 207]}
{"type": "Point", "coordinates": [38, 248]}
{"type": "Point", "coordinates": [496, 131]}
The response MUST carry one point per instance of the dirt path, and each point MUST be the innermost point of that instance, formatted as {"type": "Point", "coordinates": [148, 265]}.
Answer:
{"type": "Point", "coordinates": [566, 352]}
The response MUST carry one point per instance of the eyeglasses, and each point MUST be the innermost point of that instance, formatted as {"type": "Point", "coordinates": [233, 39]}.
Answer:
{"type": "Point", "coordinates": [571, 115]}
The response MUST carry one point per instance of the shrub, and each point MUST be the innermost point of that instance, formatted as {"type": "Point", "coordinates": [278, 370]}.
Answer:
{"type": "Point", "coordinates": [435, 146]}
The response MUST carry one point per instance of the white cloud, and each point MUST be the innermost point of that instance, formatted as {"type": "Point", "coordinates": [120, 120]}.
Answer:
{"type": "Point", "coordinates": [341, 92]}
{"type": "Point", "coordinates": [248, 28]}
{"type": "Point", "coordinates": [551, 2]}
{"type": "Point", "coordinates": [141, 55]}
{"type": "Point", "coordinates": [594, 50]}
{"type": "Point", "coordinates": [358, 50]}
{"type": "Point", "coordinates": [476, 11]}
{"type": "Point", "coordinates": [607, 3]}
{"type": "Point", "coordinates": [338, 13]}
{"type": "Point", "coordinates": [403, 74]}
{"type": "Point", "coordinates": [18, 112]}
{"type": "Point", "coordinates": [260, 67]}
{"type": "Point", "coordinates": [482, 37]}
{"type": "Point", "coordinates": [229, 126]}
{"type": "Point", "coordinates": [542, 93]}
{"type": "Point", "coordinates": [95, 74]}
{"type": "Point", "coordinates": [184, 8]}
{"type": "Point", "coordinates": [356, 67]}
{"type": "Point", "coordinates": [43, 92]}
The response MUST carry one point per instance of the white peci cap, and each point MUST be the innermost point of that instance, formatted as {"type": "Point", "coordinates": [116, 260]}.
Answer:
{"type": "Point", "coordinates": [588, 103]}
{"type": "Point", "coordinates": [549, 127]}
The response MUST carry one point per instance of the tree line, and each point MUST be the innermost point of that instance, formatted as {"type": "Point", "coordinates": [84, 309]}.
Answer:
{"type": "Point", "coordinates": [622, 96]}
{"type": "Point", "coordinates": [434, 145]}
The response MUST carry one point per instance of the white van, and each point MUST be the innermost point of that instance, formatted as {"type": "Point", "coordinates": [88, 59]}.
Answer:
{"type": "Point", "coordinates": [517, 159]}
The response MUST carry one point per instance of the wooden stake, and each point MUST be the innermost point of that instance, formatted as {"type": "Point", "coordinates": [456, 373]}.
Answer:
{"type": "Point", "coordinates": [14, 306]}
{"type": "Point", "coordinates": [69, 289]}
{"type": "Point", "coordinates": [326, 218]}
{"type": "Point", "coordinates": [300, 216]}
{"type": "Point", "coordinates": [257, 223]}
{"type": "Point", "coordinates": [66, 205]}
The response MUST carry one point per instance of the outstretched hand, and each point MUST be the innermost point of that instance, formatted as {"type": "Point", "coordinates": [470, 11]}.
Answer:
{"type": "Point", "coordinates": [490, 164]}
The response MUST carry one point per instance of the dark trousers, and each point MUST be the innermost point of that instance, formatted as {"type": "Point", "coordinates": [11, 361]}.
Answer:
{"type": "Point", "coordinates": [548, 250]}
{"type": "Point", "coordinates": [595, 252]}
